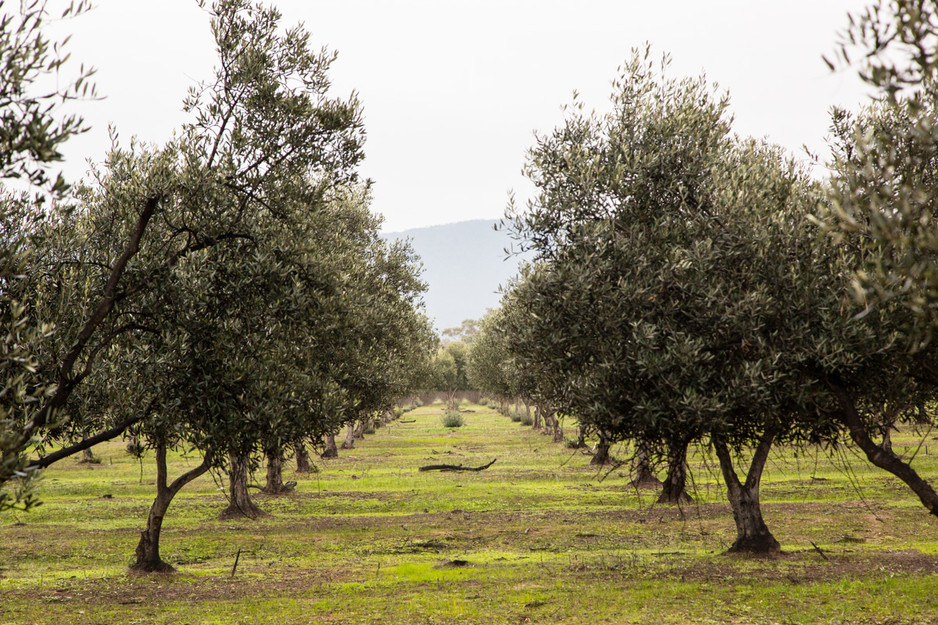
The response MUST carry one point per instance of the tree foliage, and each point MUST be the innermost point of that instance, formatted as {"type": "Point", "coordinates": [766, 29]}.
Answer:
{"type": "Point", "coordinates": [490, 368]}
{"type": "Point", "coordinates": [680, 291]}
{"type": "Point", "coordinates": [32, 128]}
{"type": "Point", "coordinates": [883, 201]}
{"type": "Point", "coordinates": [893, 44]}
{"type": "Point", "coordinates": [226, 292]}
{"type": "Point", "coordinates": [882, 205]}
{"type": "Point", "coordinates": [31, 132]}
{"type": "Point", "coordinates": [466, 331]}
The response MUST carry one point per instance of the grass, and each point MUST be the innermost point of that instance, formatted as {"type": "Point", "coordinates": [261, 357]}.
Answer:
{"type": "Point", "coordinates": [545, 538]}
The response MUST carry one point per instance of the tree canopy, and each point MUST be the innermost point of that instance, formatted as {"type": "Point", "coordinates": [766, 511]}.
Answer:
{"type": "Point", "coordinates": [225, 292]}
{"type": "Point", "coordinates": [32, 129]}
{"type": "Point", "coordinates": [681, 290]}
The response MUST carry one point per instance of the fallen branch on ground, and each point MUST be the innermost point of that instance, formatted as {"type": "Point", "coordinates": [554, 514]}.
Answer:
{"type": "Point", "coordinates": [455, 467]}
{"type": "Point", "coordinates": [819, 550]}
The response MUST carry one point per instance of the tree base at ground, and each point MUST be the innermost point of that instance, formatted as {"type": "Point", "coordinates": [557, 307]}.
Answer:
{"type": "Point", "coordinates": [302, 459]}
{"type": "Point", "coordinates": [645, 480]}
{"type": "Point", "coordinates": [240, 505]}
{"type": "Point", "coordinates": [763, 544]}
{"type": "Point", "coordinates": [670, 497]}
{"type": "Point", "coordinates": [147, 566]}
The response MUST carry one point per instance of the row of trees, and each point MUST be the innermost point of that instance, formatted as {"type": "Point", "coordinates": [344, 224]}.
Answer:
{"type": "Point", "coordinates": [224, 294]}
{"type": "Point", "coordinates": [689, 285]}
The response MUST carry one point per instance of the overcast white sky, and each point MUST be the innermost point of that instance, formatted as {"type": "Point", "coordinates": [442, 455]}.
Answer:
{"type": "Point", "coordinates": [453, 90]}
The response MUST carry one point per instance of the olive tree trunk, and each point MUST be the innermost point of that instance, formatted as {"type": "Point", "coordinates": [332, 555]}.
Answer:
{"type": "Point", "coordinates": [601, 454]}
{"type": "Point", "coordinates": [148, 548]}
{"type": "Point", "coordinates": [349, 442]}
{"type": "Point", "coordinates": [644, 475]}
{"type": "Point", "coordinates": [552, 425]}
{"type": "Point", "coordinates": [302, 458]}
{"type": "Point", "coordinates": [240, 504]}
{"type": "Point", "coordinates": [752, 534]}
{"type": "Point", "coordinates": [886, 443]}
{"type": "Point", "coordinates": [882, 455]}
{"type": "Point", "coordinates": [675, 484]}
{"type": "Point", "coordinates": [330, 450]}
{"type": "Point", "coordinates": [275, 484]}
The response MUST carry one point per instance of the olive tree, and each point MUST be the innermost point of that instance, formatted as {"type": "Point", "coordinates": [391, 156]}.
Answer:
{"type": "Point", "coordinates": [32, 126]}
{"type": "Point", "coordinates": [883, 203]}
{"type": "Point", "coordinates": [679, 285]}
{"type": "Point", "coordinates": [494, 370]}
{"type": "Point", "coordinates": [607, 184]}
{"type": "Point", "coordinates": [178, 262]}
{"type": "Point", "coordinates": [490, 369]}
{"type": "Point", "coordinates": [449, 371]}
{"type": "Point", "coordinates": [366, 335]}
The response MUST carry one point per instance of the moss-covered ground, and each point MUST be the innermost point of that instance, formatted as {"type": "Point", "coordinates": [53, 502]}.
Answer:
{"type": "Point", "coordinates": [539, 537]}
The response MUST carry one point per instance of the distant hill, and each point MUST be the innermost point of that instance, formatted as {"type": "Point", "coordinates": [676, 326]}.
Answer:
{"type": "Point", "coordinates": [464, 265]}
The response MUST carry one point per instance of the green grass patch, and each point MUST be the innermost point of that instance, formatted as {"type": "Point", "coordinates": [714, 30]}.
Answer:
{"type": "Point", "coordinates": [539, 537]}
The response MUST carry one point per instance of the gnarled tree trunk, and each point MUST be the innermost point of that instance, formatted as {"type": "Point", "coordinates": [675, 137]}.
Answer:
{"type": "Point", "coordinates": [644, 476]}
{"type": "Point", "coordinates": [886, 444]}
{"type": "Point", "coordinates": [148, 548]}
{"type": "Point", "coordinates": [349, 442]}
{"type": "Point", "coordinates": [302, 458]}
{"type": "Point", "coordinates": [752, 534]}
{"type": "Point", "coordinates": [275, 485]}
{"type": "Point", "coordinates": [601, 453]}
{"type": "Point", "coordinates": [330, 450]}
{"type": "Point", "coordinates": [557, 427]}
{"type": "Point", "coordinates": [674, 488]}
{"type": "Point", "coordinates": [881, 455]}
{"type": "Point", "coordinates": [239, 501]}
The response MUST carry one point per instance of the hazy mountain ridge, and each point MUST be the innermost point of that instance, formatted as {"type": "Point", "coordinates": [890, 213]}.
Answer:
{"type": "Point", "coordinates": [464, 265]}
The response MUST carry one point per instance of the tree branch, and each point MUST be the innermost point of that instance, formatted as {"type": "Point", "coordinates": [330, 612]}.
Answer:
{"type": "Point", "coordinates": [65, 383]}
{"type": "Point", "coordinates": [455, 467]}
{"type": "Point", "coordinates": [114, 432]}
